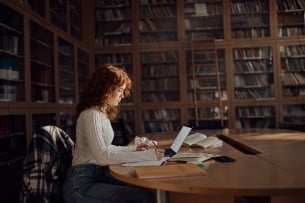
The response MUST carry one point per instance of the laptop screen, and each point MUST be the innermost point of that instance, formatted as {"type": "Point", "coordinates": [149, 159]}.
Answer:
{"type": "Point", "coordinates": [182, 134]}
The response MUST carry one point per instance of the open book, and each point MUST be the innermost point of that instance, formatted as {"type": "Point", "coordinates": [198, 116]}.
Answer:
{"type": "Point", "coordinates": [203, 141]}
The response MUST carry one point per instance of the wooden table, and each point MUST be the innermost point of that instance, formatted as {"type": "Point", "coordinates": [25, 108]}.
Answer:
{"type": "Point", "coordinates": [276, 170]}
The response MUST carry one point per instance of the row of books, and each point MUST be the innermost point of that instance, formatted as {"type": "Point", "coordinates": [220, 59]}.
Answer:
{"type": "Point", "coordinates": [114, 59]}
{"type": "Point", "coordinates": [293, 64]}
{"type": "Point", "coordinates": [290, 4]}
{"type": "Point", "coordinates": [256, 6]}
{"type": "Point", "coordinates": [262, 122]}
{"type": "Point", "coordinates": [208, 113]}
{"type": "Point", "coordinates": [205, 34]}
{"type": "Point", "coordinates": [161, 115]}
{"type": "Point", "coordinates": [208, 95]}
{"type": "Point", "coordinates": [152, 126]}
{"type": "Point", "coordinates": [113, 40]}
{"type": "Point", "coordinates": [114, 3]}
{"type": "Point", "coordinates": [157, 2]}
{"type": "Point", "coordinates": [204, 84]}
{"type": "Point", "coordinates": [250, 20]}
{"type": "Point", "coordinates": [113, 28]}
{"type": "Point", "coordinates": [261, 80]}
{"type": "Point", "coordinates": [291, 31]}
{"type": "Point", "coordinates": [151, 12]}
{"type": "Point", "coordinates": [160, 57]}
{"type": "Point", "coordinates": [9, 74]}
{"type": "Point", "coordinates": [293, 78]}
{"type": "Point", "coordinates": [160, 97]}
{"type": "Point", "coordinates": [254, 93]}
{"type": "Point", "coordinates": [160, 70]}
{"type": "Point", "coordinates": [292, 51]}
{"type": "Point", "coordinates": [253, 66]}
{"type": "Point", "coordinates": [158, 37]}
{"type": "Point", "coordinates": [248, 112]}
{"type": "Point", "coordinates": [294, 110]}
{"type": "Point", "coordinates": [248, 32]}
{"type": "Point", "coordinates": [113, 14]}
{"type": "Point", "coordinates": [203, 9]}
{"type": "Point", "coordinates": [252, 53]}
{"type": "Point", "coordinates": [210, 23]}
{"type": "Point", "coordinates": [8, 93]}
{"type": "Point", "coordinates": [164, 84]}
{"type": "Point", "coordinates": [9, 43]}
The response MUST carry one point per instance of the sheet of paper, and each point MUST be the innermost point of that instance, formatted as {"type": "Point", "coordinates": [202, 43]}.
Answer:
{"type": "Point", "coordinates": [147, 163]}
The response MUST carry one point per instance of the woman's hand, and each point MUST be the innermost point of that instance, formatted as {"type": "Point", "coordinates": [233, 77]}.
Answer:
{"type": "Point", "coordinates": [142, 147]}
{"type": "Point", "coordinates": [159, 153]}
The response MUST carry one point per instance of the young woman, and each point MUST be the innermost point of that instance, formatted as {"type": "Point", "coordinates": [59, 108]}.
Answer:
{"type": "Point", "coordinates": [88, 180]}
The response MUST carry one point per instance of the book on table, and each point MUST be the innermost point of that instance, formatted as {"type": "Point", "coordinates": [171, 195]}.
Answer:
{"type": "Point", "coordinates": [168, 171]}
{"type": "Point", "coordinates": [203, 141]}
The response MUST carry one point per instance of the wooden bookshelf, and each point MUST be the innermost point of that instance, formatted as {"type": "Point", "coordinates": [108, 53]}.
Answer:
{"type": "Point", "coordinates": [43, 65]}
{"type": "Point", "coordinates": [248, 42]}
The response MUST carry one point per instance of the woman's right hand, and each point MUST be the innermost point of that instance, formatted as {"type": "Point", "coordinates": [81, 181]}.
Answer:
{"type": "Point", "coordinates": [159, 153]}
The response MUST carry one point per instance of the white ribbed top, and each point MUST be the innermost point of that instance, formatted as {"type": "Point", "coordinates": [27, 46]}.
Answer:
{"type": "Point", "coordinates": [94, 135]}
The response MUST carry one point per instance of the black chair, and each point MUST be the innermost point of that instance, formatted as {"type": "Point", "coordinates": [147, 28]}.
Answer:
{"type": "Point", "coordinates": [45, 166]}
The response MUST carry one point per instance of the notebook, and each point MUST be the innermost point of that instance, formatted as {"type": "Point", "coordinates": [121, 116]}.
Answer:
{"type": "Point", "coordinates": [178, 141]}
{"type": "Point", "coordinates": [167, 171]}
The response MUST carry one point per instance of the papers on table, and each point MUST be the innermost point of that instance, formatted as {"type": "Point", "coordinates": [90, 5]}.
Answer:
{"type": "Point", "coordinates": [147, 163]}
{"type": "Point", "coordinates": [193, 157]}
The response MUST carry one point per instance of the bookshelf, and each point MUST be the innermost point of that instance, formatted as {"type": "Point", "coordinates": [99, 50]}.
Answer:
{"type": "Point", "coordinates": [290, 16]}
{"type": "Point", "coordinates": [11, 55]}
{"type": "Point", "coordinates": [248, 44]}
{"type": "Point", "coordinates": [157, 21]}
{"type": "Point", "coordinates": [207, 84]}
{"type": "Point", "coordinates": [253, 73]}
{"type": "Point", "coordinates": [43, 65]}
{"type": "Point", "coordinates": [203, 19]}
{"type": "Point", "coordinates": [113, 22]}
{"type": "Point", "coordinates": [250, 19]}
{"type": "Point", "coordinates": [293, 70]}
{"type": "Point", "coordinates": [66, 73]}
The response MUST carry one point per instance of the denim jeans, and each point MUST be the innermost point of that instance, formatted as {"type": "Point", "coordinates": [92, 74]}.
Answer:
{"type": "Point", "coordinates": [91, 183]}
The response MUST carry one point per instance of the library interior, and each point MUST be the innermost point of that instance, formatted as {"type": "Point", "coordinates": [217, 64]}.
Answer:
{"type": "Point", "coordinates": [216, 65]}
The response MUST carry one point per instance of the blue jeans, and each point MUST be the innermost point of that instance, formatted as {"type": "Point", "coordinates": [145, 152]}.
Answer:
{"type": "Point", "coordinates": [91, 183]}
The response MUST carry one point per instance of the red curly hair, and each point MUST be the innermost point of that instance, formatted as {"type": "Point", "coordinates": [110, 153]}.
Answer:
{"type": "Point", "coordinates": [102, 83]}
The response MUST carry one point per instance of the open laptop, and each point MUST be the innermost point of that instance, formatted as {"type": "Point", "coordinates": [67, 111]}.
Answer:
{"type": "Point", "coordinates": [177, 143]}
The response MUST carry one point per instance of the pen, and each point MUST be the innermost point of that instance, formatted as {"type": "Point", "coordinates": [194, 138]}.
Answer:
{"type": "Point", "coordinates": [156, 146]}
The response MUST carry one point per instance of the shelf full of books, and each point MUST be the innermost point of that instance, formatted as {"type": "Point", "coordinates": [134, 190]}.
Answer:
{"type": "Point", "coordinates": [11, 56]}
{"type": "Point", "coordinates": [293, 70]}
{"type": "Point", "coordinates": [294, 113]}
{"type": "Point", "coordinates": [158, 21]}
{"type": "Point", "coordinates": [42, 65]}
{"type": "Point", "coordinates": [253, 73]}
{"type": "Point", "coordinates": [250, 19]}
{"type": "Point", "coordinates": [113, 22]}
{"type": "Point", "coordinates": [203, 19]}
{"type": "Point", "coordinates": [206, 89]}
{"type": "Point", "coordinates": [66, 73]}
{"type": "Point", "coordinates": [160, 120]}
{"type": "Point", "coordinates": [290, 17]}
{"type": "Point", "coordinates": [259, 116]}
{"type": "Point", "coordinates": [160, 76]}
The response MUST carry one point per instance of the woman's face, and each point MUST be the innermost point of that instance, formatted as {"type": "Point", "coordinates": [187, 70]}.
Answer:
{"type": "Point", "coordinates": [117, 95]}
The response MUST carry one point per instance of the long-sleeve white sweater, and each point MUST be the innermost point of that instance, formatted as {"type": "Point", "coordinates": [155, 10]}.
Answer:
{"type": "Point", "coordinates": [94, 135]}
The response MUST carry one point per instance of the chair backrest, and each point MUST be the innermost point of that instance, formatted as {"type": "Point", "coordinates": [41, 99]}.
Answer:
{"type": "Point", "coordinates": [46, 164]}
